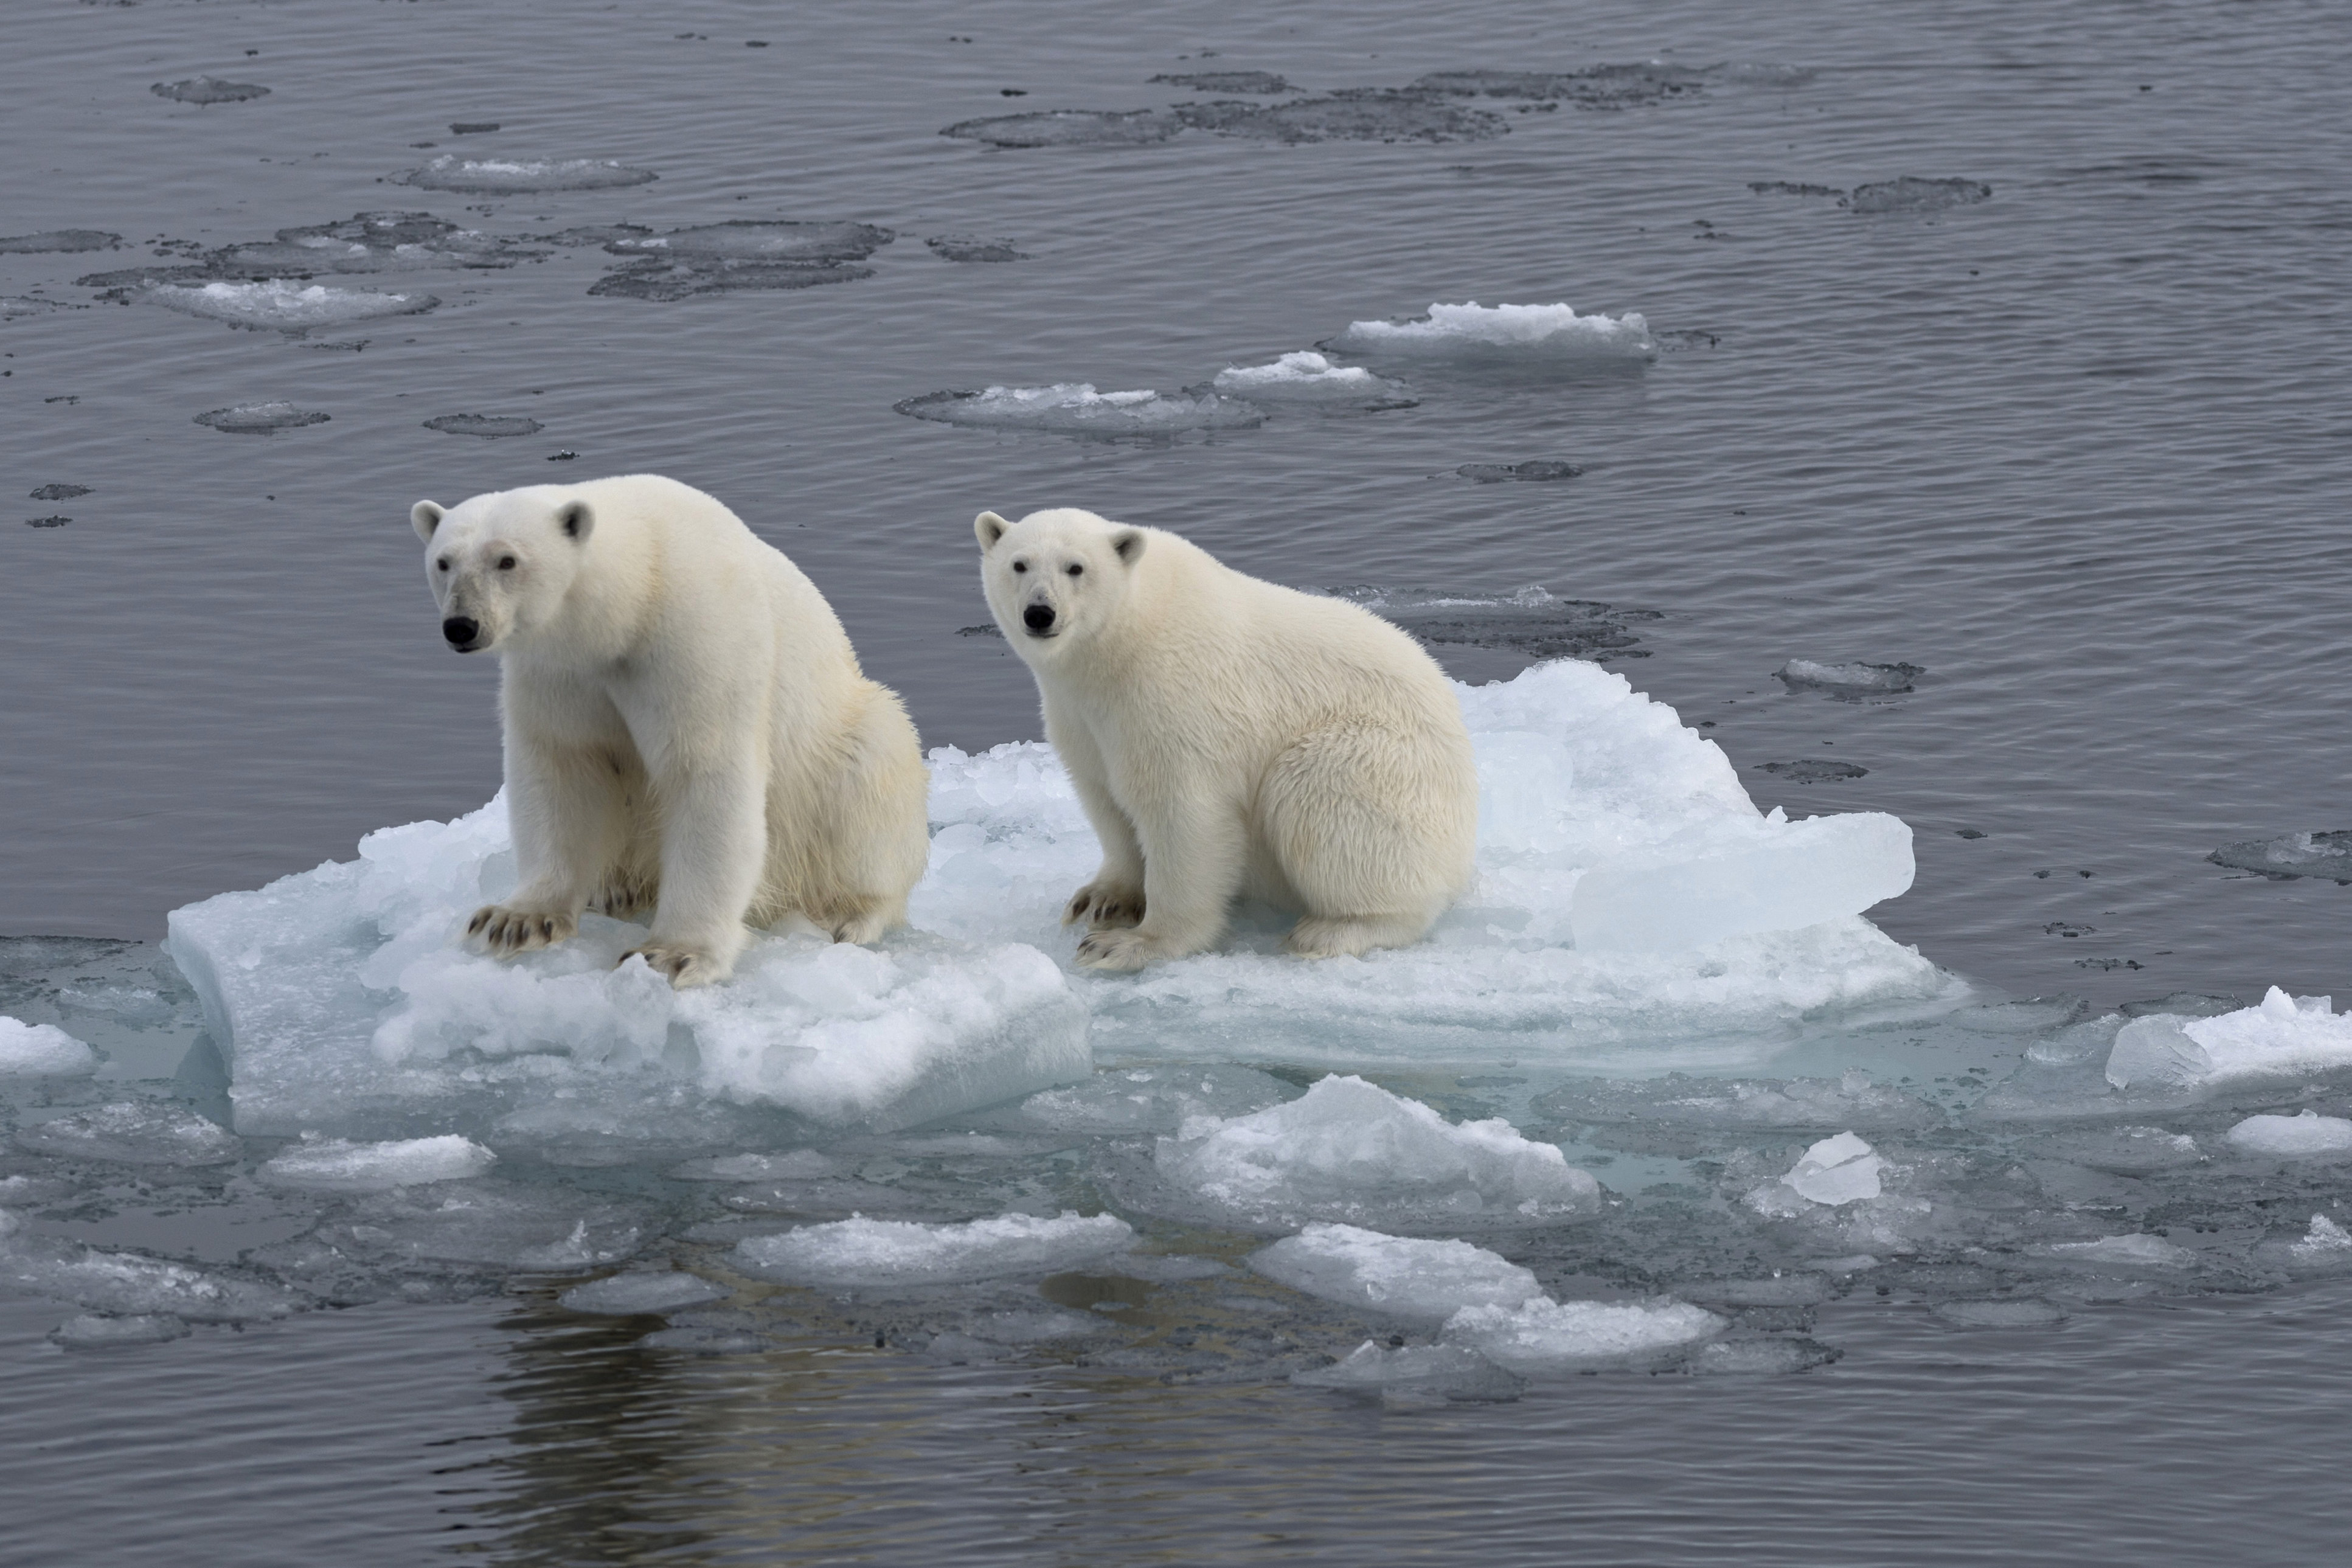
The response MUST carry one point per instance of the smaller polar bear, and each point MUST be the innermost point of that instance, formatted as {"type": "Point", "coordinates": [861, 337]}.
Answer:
{"type": "Point", "coordinates": [687, 728]}
{"type": "Point", "coordinates": [1229, 737]}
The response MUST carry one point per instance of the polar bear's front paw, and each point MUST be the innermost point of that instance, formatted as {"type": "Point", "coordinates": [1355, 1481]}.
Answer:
{"type": "Point", "coordinates": [506, 931]}
{"type": "Point", "coordinates": [1105, 905]}
{"type": "Point", "coordinates": [1120, 951]}
{"type": "Point", "coordinates": [685, 967]}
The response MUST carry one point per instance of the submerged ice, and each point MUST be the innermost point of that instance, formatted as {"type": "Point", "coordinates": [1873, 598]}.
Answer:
{"type": "Point", "coordinates": [1076, 408]}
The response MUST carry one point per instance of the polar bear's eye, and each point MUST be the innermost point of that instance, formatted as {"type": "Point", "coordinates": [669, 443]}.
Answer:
{"type": "Point", "coordinates": [1021, 566]}
{"type": "Point", "coordinates": [443, 563]}
{"type": "Point", "coordinates": [506, 562]}
{"type": "Point", "coordinates": [1074, 569]}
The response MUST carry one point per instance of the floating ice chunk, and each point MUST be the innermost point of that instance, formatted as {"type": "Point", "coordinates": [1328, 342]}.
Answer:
{"type": "Point", "coordinates": [1153, 1099]}
{"type": "Point", "coordinates": [1676, 1100]}
{"type": "Point", "coordinates": [1548, 1336]}
{"type": "Point", "coordinates": [2326, 1242]}
{"type": "Point", "coordinates": [344, 1005]}
{"type": "Point", "coordinates": [2282, 1035]}
{"type": "Point", "coordinates": [59, 240]}
{"type": "Point", "coordinates": [1415, 1374]}
{"type": "Point", "coordinates": [495, 176]}
{"type": "Point", "coordinates": [2323, 854]}
{"type": "Point", "coordinates": [260, 418]}
{"type": "Point", "coordinates": [1392, 1273]}
{"type": "Point", "coordinates": [1763, 1356]}
{"type": "Point", "coordinates": [1856, 678]}
{"type": "Point", "coordinates": [1306, 376]}
{"type": "Point", "coordinates": [335, 1165]}
{"type": "Point", "coordinates": [2293, 1137]}
{"type": "Point", "coordinates": [1348, 1149]}
{"type": "Point", "coordinates": [42, 1050]}
{"type": "Point", "coordinates": [1727, 879]}
{"type": "Point", "coordinates": [2137, 1251]}
{"type": "Point", "coordinates": [1076, 408]}
{"type": "Point", "coordinates": [881, 1252]}
{"type": "Point", "coordinates": [1579, 773]}
{"type": "Point", "coordinates": [642, 1292]}
{"type": "Point", "coordinates": [1913, 194]}
{"type": "Point", "coordinates": [1833, 1172]}
{"type": "Point", "coordinates": [490, 426]}
{"type": "Point", "coordinates": [278, 305]}
{"type": "Point", "coordinates": [208, 90]}
{"type": "Point", "coordinates": [92, 1331]}
{"type": "Point", "coordinates": [134, 1132]}
{"type": "Point", "coordinates": [489, 1226]}
{"type": "Point", "coordinates": [1551, 335]}
{"type": "Point", "coordinates": [2002, 1313]}
{"type": "Point", "coordinates": [127, 1284]}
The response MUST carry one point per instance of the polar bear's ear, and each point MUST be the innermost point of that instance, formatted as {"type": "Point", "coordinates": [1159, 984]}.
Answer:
{"type": "Point", "coordinates": [989, 528]}
{"type": "Point", "coordinates": [577, 518]}
{"type": "Point", "coordinates": [425, 517]}
{"type": "Point", "coordinates": [1127, 545]}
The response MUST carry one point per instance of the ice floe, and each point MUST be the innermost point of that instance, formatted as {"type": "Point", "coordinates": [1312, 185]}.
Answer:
{"type": "Point", "coordinates": [1076, 408]}
{"type": "Point", "coordinates": [744, 253]}
{"type": "Point", "coordinates": [1855, 678]}
{"type": "Point", "coordinates": [501, 176]}
{"type": "Point", "coordinates": [650, 1291]}
{"type": "Point", "coordinates": [58, 239]}
{"type": "Point", "coordinates": [278, 305]}
{"type": "Point", "coordinates": [1540, 335]}
{"type": "Point", "coordinates": [490, 426]}
{"type": "Point", "coordinates": [201, 89]}
{"type": "Point", "coordinates": [1910, 195]}
{"type": "Point", "coordinates": [2322, 854]}
{"type": "Point", "coordinates": [132, 1133]}
{"type": "Point", "coordinates": [42, 1050]}
{"type": "Point", "coordinates": [2280, 1035]}
{"type": "Point", "coordinates": [1349, 1151]}
{"type": "Point", "coordinates": [344, 1004]}
{"type": "Point", "coordinates": [94, 1332]}
{"type": "Point", "coordinates": [1678, 1099]}
{"type": "Point", "coordinates": [973, 248]}
{"type": "Point", "coordinates": [1070, 127]}
{"type": "Point", "coordinates": [1305, 376]}
{"type": "Point", "coordinates": [1529, 619]}
{"type": "Point", "coordinates": [260, 418]}
{"type": "Point", "coordinates": [1706, 916]}
{"type": "Point", "coordinates": [489, 1226]}
{"type": "Point", "coordinates": [2307, 1135]}
{"type": "Point", "coordinates": [1832, 1172]}
{"type": "Point", "coordinates": [1415, 1374]}
{"type": "Point", "coordinates": [1545, 1336]}
{"type": "Point", "coordinates": [131, 1284]}
{"type": "Point", "coordinates": [1400, 1276]}
{"type": "Point", "coordinates": [871, 1252]}
{"type": "Point", "coordinates": [336, 1165]}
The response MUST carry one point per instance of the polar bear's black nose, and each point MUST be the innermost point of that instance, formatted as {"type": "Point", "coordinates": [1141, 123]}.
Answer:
{"type": "Point", "coordinates": [459, 630]}
{"type": "Point", "coordinates": [1038, 618]}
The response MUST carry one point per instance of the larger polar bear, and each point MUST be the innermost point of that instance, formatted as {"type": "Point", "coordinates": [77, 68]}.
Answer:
{"type": "Point", "coordinates": [687, 728]}
{"type": "Point", "coordinates": [1230, 737]}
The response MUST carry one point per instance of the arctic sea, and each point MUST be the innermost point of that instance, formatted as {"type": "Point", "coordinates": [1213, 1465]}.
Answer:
{"type": "Point", "coordinates": [1930, 412]}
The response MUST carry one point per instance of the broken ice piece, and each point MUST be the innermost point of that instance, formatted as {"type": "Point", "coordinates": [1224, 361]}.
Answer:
{"type": "Point", "coordinates": [134, 1132]}
{"type": "Point", "coordinates": [2291, 1137]}
{"type": "Point", "coordinates": [641, 1292]}
{"type": "Point", "coordinates": [42, 1050]}
{"type": "Point", "coordinates": [333, 1165]}
{"type": "Point", "coordinates": [95, 1331]}
{"type": "Point", "coordinates": [1415, 1373]}
{"type": "Point", "coordinates": [903, 1252]}
{"type": "Point", "coordinates": [1548, 1336]}
{"type": "Point", "coordinates": [1393, 1274]}
{"type": "Point", "coordinates": [1835, 1172]}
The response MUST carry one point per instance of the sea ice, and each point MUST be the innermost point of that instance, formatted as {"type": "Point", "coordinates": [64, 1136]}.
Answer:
{"type": "Point", "coordinates": [42, 1050]}
{"type": "Point", "coordinates": [1529, 620]}
{"type": "Point", "coordinates": [1070, 127]}
{"type": "Point", "coordinates": [1264, 82]}
{"type": "Point", "coordinates": [92, 1331]}
{"type": "Point", "coordinates": [1351, 1151]}
{"type": "Point", "coordinates": [132, 1133]}
{"type": "Point", "coordinates": [1397, 1275]}
{"type": "Point", "coordinates": [487, 1226]}
{"type": "Point", "coordinates": [1911, 194]}
{"type": "Point", "coordinates": [1076, 408]}
{"type": "Point", "coordinates": [58, 239]}
{"type": "Point", "coordinates": [499, 177]}
{"type": "Point", "coordinates": [651, 1291]}
{"type": "Point", "coordinates": [1855, 679]}
{"type": "Point", "coordinates": [1579, 773]}
{"type": "Point", "coordinates": [1835, 1172]}
{"type": "Point", "coordinates": [2128, 1253]}
{"type": "Point", "coordinates": [1552, 335]}
{"type": "Point", "coordinates": [260, 418]}
{"type": "Point", "coordinates": [490, 426]}
{"type": "Point", "coordinates": [1153, 1099]}
{"type": "Point", "coordinates": [127, 1284]}
{"type": "Point", "coordinates": [345, 1003]}
{"type": "Point", "coordinates": [1761, 1356]}
{"type": "Point", "coordinates": [2293, 1137]}
{"type": "Point", "coordinates": [2279, 1036]}
{"type": "Point", "coordinates": [1680, 1100]}
{"type": "Point", "coordinates": [2321, 854]}
{"type": "Point", "coordinates": [336, 1165]}
{"type": "Point", "coordinates": [880, 1252]}
{"type": "Point", "coordinates": [1306, 376]}
{"type": "Point", "coordinates": [1548, 1336]}
{"type": "Point", "coordinates": [203, 89]}
{"type": "Point", "coordinates": [2326, 1242]}
{"type": "Point", "coordinates": [1412, 1374]}
{"type": "Point", "coordinates": [278, 305]}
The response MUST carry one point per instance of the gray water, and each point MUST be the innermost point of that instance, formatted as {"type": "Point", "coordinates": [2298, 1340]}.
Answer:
{"type": "Point", "coordinates": [2076, 448]}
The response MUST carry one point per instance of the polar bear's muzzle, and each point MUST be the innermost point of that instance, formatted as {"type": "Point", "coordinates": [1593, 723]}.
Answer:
{"type": "Point", "coordinates": [1039, 619]}
{"type": "Point", "coordinates": [462, 632]}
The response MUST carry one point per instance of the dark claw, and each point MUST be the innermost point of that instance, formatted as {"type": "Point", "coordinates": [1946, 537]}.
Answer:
{"type": "Point", "coordinates": [474, 926]}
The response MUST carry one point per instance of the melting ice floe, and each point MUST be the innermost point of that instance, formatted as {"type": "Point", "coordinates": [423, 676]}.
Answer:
{"type": "Point", "coordinates": [345, 1005]}
{"type": "Point", "coordinates": [2303, 1136]}
{"type": "Point", "coordinates": [132, 1133]}
{"type": "Point", "coordinates": [1076, 408]}
{"type": "Point", "coordinates": [42, 1050]}
{"type": "Point", "coordinates": [1308, 377]}
{"type": "Point", "coordinates": [872, 1252]}
{"type": "Point", "coordinates": [496, 176]}
{"type": "Point", "coordinates": [282, 306]}
{"type": "Point", "coordinates": [1548, 1336]}
{"type": "Point", "coordinates": [646, 1291]}
{"type": "Point", "coordinates": [1395, 1275]}
{"type": "Point", "coordinates": [336, 1165]}
{"type": "Point", "coordinates": [2279, 1036]}
{"type": "Point", "coordinates": [1348, 1149]}
{"type": "Point", "coordinates": [1552, 335]}
{"type": "Point", "coordinates": [260, 418]}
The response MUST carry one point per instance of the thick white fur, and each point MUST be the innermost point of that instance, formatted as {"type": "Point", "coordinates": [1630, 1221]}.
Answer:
{"type": "Point", "coordinates": [1232, 737]}
{"type": "Point", "coordinates": [687, 728]}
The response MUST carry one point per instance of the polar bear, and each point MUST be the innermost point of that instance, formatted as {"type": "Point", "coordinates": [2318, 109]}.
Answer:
{"type": "Point", "coordinates": [687, 728]}
{"type": "Point", "coordinates": [1229, 737]}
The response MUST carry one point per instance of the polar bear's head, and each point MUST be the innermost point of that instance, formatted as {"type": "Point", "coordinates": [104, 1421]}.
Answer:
{"type": "Point", "coordinates": [501, 563]}
{"type": "Point", "coordinates": [1056, 578]}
